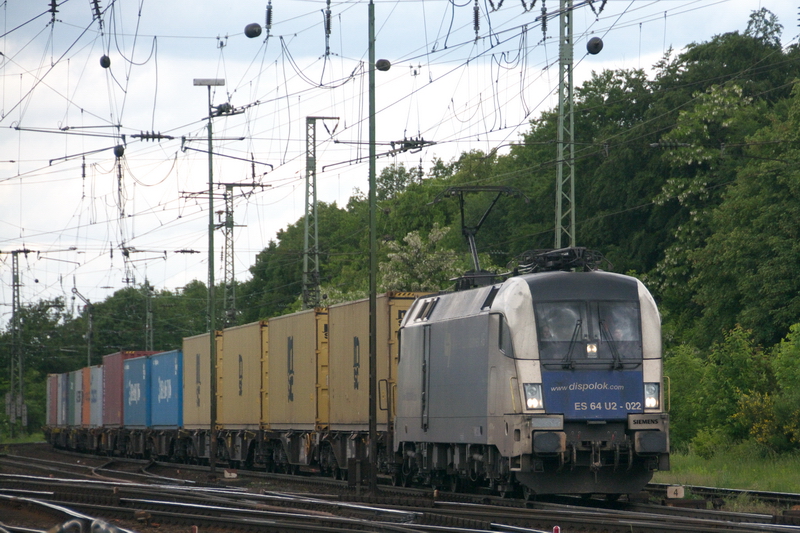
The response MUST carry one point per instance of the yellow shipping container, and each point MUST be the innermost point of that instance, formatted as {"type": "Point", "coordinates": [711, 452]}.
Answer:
{"type": "Point", "coordinates": [349, 359]}
{"type": "Point", "coordinates": [196, 381]}
{"type": "Point", "coordinates": [239, 376]}
{"type": "Point", "coordinates": [296, 371]}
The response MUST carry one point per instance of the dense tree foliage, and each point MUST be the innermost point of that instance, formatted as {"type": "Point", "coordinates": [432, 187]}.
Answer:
{"type": "Point", "coordinates": [687, 177]}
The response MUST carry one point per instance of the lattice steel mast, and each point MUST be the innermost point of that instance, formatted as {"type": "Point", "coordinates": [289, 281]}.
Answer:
{"type": "Point", "coordinates": [565, 177]}
{"type": "Point", "coordinates": [311, 241]}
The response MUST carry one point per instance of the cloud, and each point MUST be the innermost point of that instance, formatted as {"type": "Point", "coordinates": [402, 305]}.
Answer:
{"type": "Point", "coordinates": [444, 86]}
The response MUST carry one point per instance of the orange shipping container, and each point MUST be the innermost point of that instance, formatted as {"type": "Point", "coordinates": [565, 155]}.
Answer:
{"type": "Point", "coordinates": [297, 371]}
{"type": "Point", "coordinates": [239, 373]}
{"type": "Point", "coordinates": [196, 380]}
{"type": "Point", "coordinates": [349, 359]}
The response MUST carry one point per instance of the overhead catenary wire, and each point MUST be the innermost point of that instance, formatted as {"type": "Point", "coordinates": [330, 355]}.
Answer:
{"type": "Point", "coordinates": [489, 107]}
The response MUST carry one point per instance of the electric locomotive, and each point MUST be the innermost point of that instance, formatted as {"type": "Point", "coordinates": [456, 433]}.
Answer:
{"type": "Point", "coordinates": [549, 382]}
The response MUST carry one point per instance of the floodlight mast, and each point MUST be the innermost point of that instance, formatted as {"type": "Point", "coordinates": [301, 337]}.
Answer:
{"type": "Point", "coordinates": [212, 322]}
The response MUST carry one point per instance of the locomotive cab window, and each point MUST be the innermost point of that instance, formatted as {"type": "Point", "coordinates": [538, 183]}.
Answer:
{"type": "Point", "coordinates": [574, 332]}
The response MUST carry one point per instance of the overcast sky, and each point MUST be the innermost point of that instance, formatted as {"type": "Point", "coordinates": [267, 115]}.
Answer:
{"type": "Point", "coordinates": [67, 198]}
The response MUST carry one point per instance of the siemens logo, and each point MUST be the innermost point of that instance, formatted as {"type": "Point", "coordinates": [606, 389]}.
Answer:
{"type": "Point", "coordinates": [646, 422]}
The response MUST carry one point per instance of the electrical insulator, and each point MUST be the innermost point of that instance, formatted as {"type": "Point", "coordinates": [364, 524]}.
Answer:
{"type": "Point", "coordinates": [476, 14]}
{"type": "Point", "coordinates": [96, 5]}
{"type": "Point", "coordinates": [544, 19]}
{"type": "Point", "coordinates": [269, 17]}
{"type": "Point", "coordinates": [328, 19]}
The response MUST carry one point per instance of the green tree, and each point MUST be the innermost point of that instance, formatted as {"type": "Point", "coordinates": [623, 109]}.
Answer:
{"type": "Point", "coordinates": [684, 369]}
{"type": "Point", "coordinates": [746, 273]}
{"type": "Point", "coordinates": [277, 273]}
{"type": "Point", "coordinates": [419, 264]}
{"type": "Point", "coordinates": [763, 25]}
{"type": "Point", "coordinates": [394, 179]}
{"type": "Point", "coordinates": [786, 367]}
{"type": "Point", "coordinates": [704, 165]}
{"type": "Point", "coordinates": [736, 368]}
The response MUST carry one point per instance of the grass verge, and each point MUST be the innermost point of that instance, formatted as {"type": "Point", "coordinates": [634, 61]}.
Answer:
{"type": "Point", "coordinates": [734, 469]}
{"type": "Point", "coordinates": [31, 437]}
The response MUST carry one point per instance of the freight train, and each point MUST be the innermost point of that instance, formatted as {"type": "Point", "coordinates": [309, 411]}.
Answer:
{"type": "Point", "coordinates": [547, 382]}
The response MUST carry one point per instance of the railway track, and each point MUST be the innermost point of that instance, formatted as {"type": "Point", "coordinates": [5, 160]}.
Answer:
{"type": "Point", "coordinates": [711, 493]}
{"type": "Point", "coordinates": [141, 494]}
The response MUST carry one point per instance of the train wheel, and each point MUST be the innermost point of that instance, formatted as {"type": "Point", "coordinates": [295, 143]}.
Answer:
{"type": "Point", "coordinates": [527, 493]}
{"type": "Point", "coordinates": [400, 480]}
{"type": "Point", "coordinates": [455, 483]}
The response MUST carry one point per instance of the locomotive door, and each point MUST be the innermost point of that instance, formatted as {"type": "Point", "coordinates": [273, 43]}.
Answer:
{"type": "Point", "coordinates": [426, 378]}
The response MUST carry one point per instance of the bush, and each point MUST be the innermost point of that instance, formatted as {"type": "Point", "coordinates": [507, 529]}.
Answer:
{"type": "Point", "coordinates": [709, 442]}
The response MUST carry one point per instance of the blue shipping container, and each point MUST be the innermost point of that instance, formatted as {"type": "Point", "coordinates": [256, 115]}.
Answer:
{"type": "Point", "coordinates": [166, 390]}
{"type": "Point", "coordinates": [136, 376]}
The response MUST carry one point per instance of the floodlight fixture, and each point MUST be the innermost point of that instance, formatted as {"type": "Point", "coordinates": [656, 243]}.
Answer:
{"type": "Point", "coordinates": [210, 82]}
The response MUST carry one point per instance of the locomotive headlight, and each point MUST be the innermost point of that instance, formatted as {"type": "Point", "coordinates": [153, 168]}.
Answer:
{"type": "Point", "coordinates": [651, 395]}
{"type": "Point", "coordinates": [591, 351]}
{"type": "Point", "coordinates": [533, 395]}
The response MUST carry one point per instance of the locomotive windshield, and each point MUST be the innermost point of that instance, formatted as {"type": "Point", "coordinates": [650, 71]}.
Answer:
{"type": "Point", "coordinates": [574, 332]}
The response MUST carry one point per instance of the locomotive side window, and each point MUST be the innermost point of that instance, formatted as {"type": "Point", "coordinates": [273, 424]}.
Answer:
{"type": "Point", "coordinates": [504, 338]}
